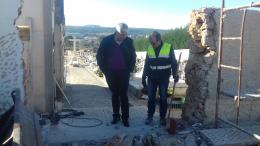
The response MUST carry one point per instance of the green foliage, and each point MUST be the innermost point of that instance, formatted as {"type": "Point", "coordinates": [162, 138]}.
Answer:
{"type": "Point", "coordinates": [178, 37]}
{"type": "Point", "coordinates": [68, 43]}
{"type": "Point", "coordinates": [141, 43]}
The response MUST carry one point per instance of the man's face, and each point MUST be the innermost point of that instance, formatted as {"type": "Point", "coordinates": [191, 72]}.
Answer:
{"type": "Point", "coordinates": [154, 42]}
{"type": "Point", "coordinates": [121, 36]}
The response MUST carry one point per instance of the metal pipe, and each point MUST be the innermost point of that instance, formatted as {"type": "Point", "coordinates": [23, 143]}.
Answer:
{"type": "Point", "coordinates": [231, 38]}
{"type": "Point", "coordinates": [219, 62]}
{"type": "Point", "coordinates": [230, 67]}
{"type": "Point", "coordinates": [240, 64]}
{"type": "Point", "coordinates": [62, 91]}
{"type": "Point", "coordinates": [173, 88]}
{"type": "Point", "coordinates": [253, 4]}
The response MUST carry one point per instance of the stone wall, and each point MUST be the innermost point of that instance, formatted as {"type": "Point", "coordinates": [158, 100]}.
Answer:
{"type": "Point", "coordinates": [201, 70]}
{"type": "Point", "coordinates": [11, 69]}
{"type": "Point", "coordinates": [202, 52]}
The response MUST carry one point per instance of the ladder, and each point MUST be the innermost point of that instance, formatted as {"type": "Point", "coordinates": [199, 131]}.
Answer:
{"type": "Point", "coordinates": [235, 68]}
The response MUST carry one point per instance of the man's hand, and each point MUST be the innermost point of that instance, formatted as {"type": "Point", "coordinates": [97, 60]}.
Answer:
{"type": "Point", "coordinates": [176, 78]}
{"type": "Point", "coordinates": [144, 90]}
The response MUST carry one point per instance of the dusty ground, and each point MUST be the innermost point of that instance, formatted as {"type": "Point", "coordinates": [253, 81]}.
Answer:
{"type": "Point", "coordinates": [85, 89]}
{"type": "Point", "coordinates": [90, 94]}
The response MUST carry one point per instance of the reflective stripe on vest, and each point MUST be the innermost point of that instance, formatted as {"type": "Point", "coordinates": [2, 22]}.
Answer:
{"type": "Point", "coordinates": [164, 53]}
{"type": "Point", "coordinates": [160, 67]}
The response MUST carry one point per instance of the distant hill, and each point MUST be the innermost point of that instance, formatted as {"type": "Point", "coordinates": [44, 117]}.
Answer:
{"type": "Point", "coordinates": [95, 30]}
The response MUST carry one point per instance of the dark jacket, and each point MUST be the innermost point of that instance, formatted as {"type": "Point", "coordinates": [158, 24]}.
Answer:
{"type": "Point", "coordinates": [104, 52]}
{"type": "Point", "coordinates": [160, 74]}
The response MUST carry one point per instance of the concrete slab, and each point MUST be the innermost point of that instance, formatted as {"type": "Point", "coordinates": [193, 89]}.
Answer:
{"type": "Point", "coordinates": [61, 133]}
{"type": "Point", "coordinates": [232, 136]}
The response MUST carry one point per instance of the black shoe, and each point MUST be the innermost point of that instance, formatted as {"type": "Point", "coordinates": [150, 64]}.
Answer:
{"type": "Point", "coordinates": [162, 121]}
{"type": "Point", "coordinates": [126, 123]}
{"type": "Point", "coordinates": [115, 120]}
{"type": "Point", "coordinates": [148, 121]}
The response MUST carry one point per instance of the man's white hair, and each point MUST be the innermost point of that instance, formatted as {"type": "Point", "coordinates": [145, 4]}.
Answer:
{"type": "Point", "coordinates": [121, 28]}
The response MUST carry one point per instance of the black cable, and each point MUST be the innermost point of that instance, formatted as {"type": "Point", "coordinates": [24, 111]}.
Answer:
{"type": "Point", "coordinates": [99, 122]}
{"type": "Point", "coordinates": [72, 114]}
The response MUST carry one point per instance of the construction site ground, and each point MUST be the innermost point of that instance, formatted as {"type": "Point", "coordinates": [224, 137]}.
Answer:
{"type": "Point", "coordinates": [88, 93]}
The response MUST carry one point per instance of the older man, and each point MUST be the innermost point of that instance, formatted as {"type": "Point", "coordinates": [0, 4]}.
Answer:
{"type": "Point", "coordinates": [160, 63]}
{"type": "Point", "coordinates": [116, 58]}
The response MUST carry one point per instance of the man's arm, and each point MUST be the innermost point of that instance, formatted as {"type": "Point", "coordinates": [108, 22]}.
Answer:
{"type": "Point", "coordinates": [132, 55]}
{"type": "Point", "coordinates": [174, 65]}
{"type": "Point", "coordinates": [100, 56]}
{"type": "Point", "coordinates": [145, 71]}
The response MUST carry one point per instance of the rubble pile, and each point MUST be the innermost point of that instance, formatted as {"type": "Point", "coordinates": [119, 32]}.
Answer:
{"type": "Point", "coordinates": [143, 140]}
{"type": "Point", "coordinates": [202, 53]}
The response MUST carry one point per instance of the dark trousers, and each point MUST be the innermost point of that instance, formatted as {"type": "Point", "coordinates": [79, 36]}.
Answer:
{"type": "Point", "coordinates": [118, 83]}
{"type": "Point", "coordinates": [152, 89]}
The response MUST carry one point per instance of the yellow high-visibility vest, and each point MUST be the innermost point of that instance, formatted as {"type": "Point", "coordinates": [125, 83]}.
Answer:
{"type": "Point", "coordinates": [164, 54]}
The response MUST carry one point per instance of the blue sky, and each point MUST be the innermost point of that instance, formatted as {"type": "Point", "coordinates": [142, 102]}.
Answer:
{"type": "Point", "coordinates": [161, 14]}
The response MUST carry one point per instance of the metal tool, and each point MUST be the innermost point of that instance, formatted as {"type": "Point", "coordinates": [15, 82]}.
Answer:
{"type": "Point", "coordinates": [170, 121]}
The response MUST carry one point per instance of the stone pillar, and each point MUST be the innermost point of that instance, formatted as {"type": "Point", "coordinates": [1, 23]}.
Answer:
{"type": "Point", "coordinates": [202, 52]}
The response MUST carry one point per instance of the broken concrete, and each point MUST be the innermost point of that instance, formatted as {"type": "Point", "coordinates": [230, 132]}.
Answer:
{"type": "Point", "coordinates": [144, 140]}
{"type": "Point", "coordinates": [62, 133]}
{"type": "Point", "coordinates": [232, 136]}
{"type": "Point", "coordinates": [201, 69]}
{"type": "Point", "coordinates": [202, 53]}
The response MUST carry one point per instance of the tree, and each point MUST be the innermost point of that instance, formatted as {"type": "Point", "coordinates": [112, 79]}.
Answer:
{"type": "Point", "coordinates": [141, 43]}
{"type": "Point", "coordinates": [68, 42]}
{"type": "Point", "coordinates": [178, 37]}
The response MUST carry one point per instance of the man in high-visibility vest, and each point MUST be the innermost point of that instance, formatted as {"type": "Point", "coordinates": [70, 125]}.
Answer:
{"type": "Point", "coordinates": [160, 63]}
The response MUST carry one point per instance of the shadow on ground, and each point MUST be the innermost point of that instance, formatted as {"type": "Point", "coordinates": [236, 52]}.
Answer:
{"type": "Point", "coordinates": [85, 96]}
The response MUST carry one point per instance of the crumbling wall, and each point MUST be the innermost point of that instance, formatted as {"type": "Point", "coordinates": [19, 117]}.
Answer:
{"type": "Point", "coordinates": [202, 53]}
{"type": "Point", "coordinates": [201, 70]}
{"type": "Point", "coordinates": [11, 70]}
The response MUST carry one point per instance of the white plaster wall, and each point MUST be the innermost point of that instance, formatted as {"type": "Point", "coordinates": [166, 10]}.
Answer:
{"type": "Point", "coordinates": [38, 53]}
{"type": "Point", "coordinates": [11, 69]}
